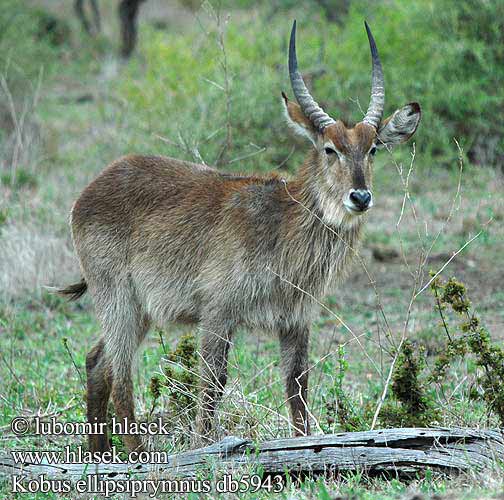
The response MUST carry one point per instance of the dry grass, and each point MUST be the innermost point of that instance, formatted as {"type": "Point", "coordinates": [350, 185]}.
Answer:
{"type": "Point", "coordinates": [30, 258]}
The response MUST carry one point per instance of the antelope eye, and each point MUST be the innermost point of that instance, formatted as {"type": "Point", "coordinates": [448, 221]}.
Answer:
{"type": "Point", "coordinates": [330, 151]}
{"type": "Point", "coordinates": [372, 151]}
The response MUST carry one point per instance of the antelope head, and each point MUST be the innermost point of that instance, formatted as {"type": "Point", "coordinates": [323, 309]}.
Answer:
{"type": "Point", "coordinates": [342, 169]}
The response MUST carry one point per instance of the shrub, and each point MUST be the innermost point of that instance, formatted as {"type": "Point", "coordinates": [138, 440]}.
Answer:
{"type": "Point", "coordinates": [447, 55]}
{"type": "Point", "coordinates": [180, 378]}
{"type": "Point", "coordinates": [339, 407]}
{"type": "Point", "coordinates": [475, 340]}
{"type": "Point", "coordinates": [29, 39]}
{"type": "Point", "coordinates": [411, 405]}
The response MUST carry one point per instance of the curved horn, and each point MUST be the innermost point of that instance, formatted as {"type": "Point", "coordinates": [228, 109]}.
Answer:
{"type": "Point", "coordinates": [309, 107]}
{"type": "Point", "coordinates": [375, 110]}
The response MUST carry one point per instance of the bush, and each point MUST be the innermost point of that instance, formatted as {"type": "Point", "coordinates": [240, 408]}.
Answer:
{"type": "Point", "coordinates": [447, 55]}
{"type": "Point", "coordinates": [474, 339]}
{"type": "Point", "coordinates": [30, 38]}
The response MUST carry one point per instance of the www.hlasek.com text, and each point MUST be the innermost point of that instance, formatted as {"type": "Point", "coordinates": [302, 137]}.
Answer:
{"type": "Point", "coordinates": [77, 455]}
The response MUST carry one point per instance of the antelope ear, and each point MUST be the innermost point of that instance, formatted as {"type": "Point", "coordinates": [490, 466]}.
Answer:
{"type": "Point", "coordinates": [298, 121]}
{"type": "Point", "coordinates": [400, 126]}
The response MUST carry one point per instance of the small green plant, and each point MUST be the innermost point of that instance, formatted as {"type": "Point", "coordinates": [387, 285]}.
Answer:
{"type": "Point", "coordinates": [180, 378]}
{"type": "Point", "coordinates": [473, 339]}
{"type": "Point", "coordinates": [406, 385]}
{"type": "Point", "coordinates": [4, 215]}
{"type": "Point", "coordinates": [20, 179]}
{"type": "Point", "coordinates": [411, 404]}
{"type": "Point", "coordinates": [118, 443]}
{"type": "Point", "coordinates": [339, 406]}
{"type": "Point", "coordinates": [54, 30]}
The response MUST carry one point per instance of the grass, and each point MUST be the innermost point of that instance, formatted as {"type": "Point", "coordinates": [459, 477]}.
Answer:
{"type": "Point", "coordinates": [92, 109]}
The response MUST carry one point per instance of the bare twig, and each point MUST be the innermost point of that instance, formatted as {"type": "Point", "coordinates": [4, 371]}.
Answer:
{"type": "Point", "coordinates": [386, 385]}
{"type": "Point", "coordinates": [65, 343]}
{"type": "Point", "coordinates": [47, 414]}
{"type": "Point", "coordinates": [249, 155]}
{"type": "Point", "coordinates": [332, 313]}
{"type": "Point", "coordinates": [182, 145]}
{"type": "Point", "coordinates": [445, 265]}
{"type": "Point", "coordinates": [221, 25]}
{"type": "Point", "coordinates": [160, 333]}
{"type": "Point", "coordinates": [11, 370]}
{"type": "Point", "coordinates": [287, 158]}
{"type": "Point", "coordinates": [440, 310]}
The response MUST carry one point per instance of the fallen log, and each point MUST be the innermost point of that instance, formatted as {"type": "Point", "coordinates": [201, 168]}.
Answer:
{"type": "Point", "coordinates": [394, 450]}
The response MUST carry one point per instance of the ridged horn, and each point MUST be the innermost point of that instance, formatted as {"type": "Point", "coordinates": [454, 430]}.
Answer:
{"type": "Point", "coordinates": [309, 107]}
{"type": "Point", "coordinates": [377, 103]}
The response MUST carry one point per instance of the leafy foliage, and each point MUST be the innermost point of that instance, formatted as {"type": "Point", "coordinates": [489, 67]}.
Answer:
{"type": "Point", "coordinates": [446, 55]}
{"type": "Point", "coordinates": [339, 406]}
{"type": "Point", "coordinates": [411, 404]}
{"type": "Point", "coordinates": [474, 340]}
{"type": "Point", "coordinates": [417, 406]}
{"type": "Point", "coordinates": [180, 377]}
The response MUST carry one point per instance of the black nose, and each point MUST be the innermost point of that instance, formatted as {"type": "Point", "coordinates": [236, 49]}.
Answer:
{"type": "Point", "coordinates": [360, 198]}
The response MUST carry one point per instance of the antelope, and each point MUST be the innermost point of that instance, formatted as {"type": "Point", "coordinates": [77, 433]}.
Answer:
{"type": "Point", "coordinates": [162, 240]}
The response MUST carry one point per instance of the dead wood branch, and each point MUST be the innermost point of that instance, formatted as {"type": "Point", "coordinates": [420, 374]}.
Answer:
{"type": "Point", "coordinates": [393, 450]}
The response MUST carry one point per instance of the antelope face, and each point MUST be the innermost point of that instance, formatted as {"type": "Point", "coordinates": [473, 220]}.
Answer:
{"type": "Point", "coordinates": [348, 154]}
{"type": "Point", "coordinates": [345, 154]}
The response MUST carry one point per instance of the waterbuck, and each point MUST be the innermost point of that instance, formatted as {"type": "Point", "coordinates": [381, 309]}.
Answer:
{"type": "Point", "coordinates": [162, 240]}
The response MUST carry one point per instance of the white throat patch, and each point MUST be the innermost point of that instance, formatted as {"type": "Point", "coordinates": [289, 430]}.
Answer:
{"type": "Point", "coordinates": [334, 212]}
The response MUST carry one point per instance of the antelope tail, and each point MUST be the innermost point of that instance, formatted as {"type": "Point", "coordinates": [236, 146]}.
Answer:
{"type": "Point", "coordinates": [71, 292]}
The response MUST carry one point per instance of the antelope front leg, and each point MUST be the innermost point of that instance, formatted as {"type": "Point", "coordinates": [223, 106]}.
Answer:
{"type": "Point", "coordinates": [294, 352]}
{"type": "Point", "coordinates": [214, 353]}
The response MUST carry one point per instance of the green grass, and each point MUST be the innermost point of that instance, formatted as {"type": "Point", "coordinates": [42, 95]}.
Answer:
{"type": "Point", "coordinates": [165, 90]}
